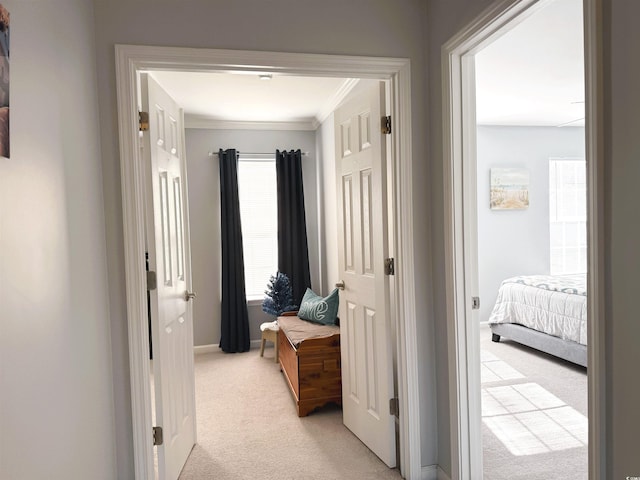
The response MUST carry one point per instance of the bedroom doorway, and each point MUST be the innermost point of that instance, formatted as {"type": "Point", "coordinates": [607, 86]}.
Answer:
{"type": "Point", "coordinates": [468, 180]}
{"type": "Point", "coordinates": [130, 61]}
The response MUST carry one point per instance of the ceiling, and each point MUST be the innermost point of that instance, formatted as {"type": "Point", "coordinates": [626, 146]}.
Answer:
{"type": "Point", "coordinates": [532, 75]}
{"type": "Point", "coordinates": [243, 97]}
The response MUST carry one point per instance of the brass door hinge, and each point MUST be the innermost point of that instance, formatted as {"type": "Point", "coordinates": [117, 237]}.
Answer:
{"type": "Point", "coordinates": [389, 266]}
{"type": "Point", "coordinates": [152, 280]}
{"type": "Point", "coordinates": [157, 436]}
{"type": "Point", "coordinates": [394, 407]}
{"type": "Point", "coordinates": [143, 120]}
{"type": "Point", "coordinates": [386, 125]}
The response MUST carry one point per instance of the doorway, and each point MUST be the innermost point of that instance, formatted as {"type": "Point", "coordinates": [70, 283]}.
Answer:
{"type": "Point", "coordinates": [132, 59]}
{"type": "Point", "coordinates": [459, 96]}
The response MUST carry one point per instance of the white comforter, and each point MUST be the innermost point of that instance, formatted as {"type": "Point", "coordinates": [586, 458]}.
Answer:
{"type": "Point", "coordinates": [556, 305]}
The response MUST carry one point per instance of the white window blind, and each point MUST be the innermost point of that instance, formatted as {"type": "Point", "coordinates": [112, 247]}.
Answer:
{"type": "Point", "coordinates": [568, 215]}
{"type": "Point", "coordinates": [259, 216]}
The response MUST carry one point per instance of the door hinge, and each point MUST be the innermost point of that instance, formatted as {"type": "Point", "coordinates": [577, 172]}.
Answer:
{"type": "Point", "coordinates": [386, 125]}
{"type": "Point", "coordinates": [394, 407]}
{"type": "Point", "coordinates": [389, 266]}
{"type": "Point", "coordinates": [475, 303]}
{"type": "Point", "coordinates": [143, 120]}
{"type": "Point", "coordinates": [157, 436]}
{"type": "Point", "coordinates": [152, 280]}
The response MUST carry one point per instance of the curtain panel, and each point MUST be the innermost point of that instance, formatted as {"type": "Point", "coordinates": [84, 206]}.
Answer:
{"type": "Point", "coordinates": [293, 252]}
{"type": "Point", "coordinates": [234, 336]}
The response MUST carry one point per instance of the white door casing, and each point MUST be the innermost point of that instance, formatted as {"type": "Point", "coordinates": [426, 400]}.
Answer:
{"type": "Point", "coordinates": [365, 342]}
{"type": "Point", "coordinates": [459, 145]}
{"type": "Point", "coordinates": [171, 310]}
{"type": "Point", "coordinates": [130, 60]}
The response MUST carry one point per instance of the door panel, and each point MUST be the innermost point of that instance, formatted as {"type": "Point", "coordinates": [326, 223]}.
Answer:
{"type": "Point", "coordinates": [364, 312]}
{"type": "Point", "coordinates": [172, 325]}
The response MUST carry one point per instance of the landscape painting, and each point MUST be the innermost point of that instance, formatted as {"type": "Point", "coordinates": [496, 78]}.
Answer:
{"type": "Point", "coordinates": [4, 82]}
{"type": "Point", "coordinates": [509, 188]}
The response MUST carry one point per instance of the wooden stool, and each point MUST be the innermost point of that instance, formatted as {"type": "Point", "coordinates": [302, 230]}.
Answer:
{"type": "Point", "coordinates": [269, 333]}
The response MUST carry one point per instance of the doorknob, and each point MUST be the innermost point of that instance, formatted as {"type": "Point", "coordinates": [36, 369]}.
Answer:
{"type": "Point", "coordinates": [189, 295]}
{"type": "Point", "coordinates": [340, 285]}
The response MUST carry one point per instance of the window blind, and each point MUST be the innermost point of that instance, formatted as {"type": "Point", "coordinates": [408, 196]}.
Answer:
{"type": "Point", "coordinates": [258, 212]}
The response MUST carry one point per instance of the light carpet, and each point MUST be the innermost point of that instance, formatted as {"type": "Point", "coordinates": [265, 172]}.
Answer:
{"type": "Point", "coordinates": [248, 428]}
{"type": "Point", "coordinates": [534, 414]}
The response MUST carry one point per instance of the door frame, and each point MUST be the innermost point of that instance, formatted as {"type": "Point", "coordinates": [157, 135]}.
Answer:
{"type": "Point", "coordinates": [132, 59]}
{"type": "Point", "coordinates": [458, 110]}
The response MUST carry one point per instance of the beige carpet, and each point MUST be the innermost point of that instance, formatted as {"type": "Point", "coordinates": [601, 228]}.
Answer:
{"type": "Point", "coordinates": [534, 414]}
{"type": "Point", "coordinates": [248, 428]}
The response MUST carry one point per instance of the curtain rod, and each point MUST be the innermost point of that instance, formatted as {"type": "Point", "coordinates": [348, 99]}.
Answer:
{"type": "Point", "coordinates": [243, 154]}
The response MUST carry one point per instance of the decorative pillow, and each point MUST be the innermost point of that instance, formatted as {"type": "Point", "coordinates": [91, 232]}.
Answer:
{"type": "Point", "coordinates": [317, 309]}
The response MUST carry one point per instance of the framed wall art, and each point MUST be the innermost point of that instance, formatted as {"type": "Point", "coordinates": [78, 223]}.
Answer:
{"type": "Point", "coordinates": [509, 188]}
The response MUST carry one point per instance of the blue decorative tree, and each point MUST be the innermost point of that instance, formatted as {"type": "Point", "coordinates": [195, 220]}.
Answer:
{"type": "Point", "coordinates": [279, 297]}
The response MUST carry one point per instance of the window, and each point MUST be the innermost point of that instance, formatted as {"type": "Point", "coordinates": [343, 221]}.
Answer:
{"type": "Point", "coordinates": [259, 217]}
{"type": "Point", "coordinates": [568, 215]}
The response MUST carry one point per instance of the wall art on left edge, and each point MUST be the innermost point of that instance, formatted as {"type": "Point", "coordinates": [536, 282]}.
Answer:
{"type": "Point", "coordinates": [4, 82]}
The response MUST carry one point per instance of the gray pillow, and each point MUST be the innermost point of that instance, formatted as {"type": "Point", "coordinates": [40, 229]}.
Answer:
{"type": "Point", "coordinates": [318, 309]}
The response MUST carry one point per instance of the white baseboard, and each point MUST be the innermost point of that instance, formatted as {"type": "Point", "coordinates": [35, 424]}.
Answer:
{"type": "Point", "coordinates": [198, 349]}
{"type": "Point", "coordinates": [433, 472]}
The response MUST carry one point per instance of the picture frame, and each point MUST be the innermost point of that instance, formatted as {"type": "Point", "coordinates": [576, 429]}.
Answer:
{"type": "Point", "coordinates": [509, 189]}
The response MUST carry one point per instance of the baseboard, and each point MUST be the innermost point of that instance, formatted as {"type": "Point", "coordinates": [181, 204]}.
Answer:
{"type": "Point", "coordinates": [199, 349]}
{"type": "Point", "coordinates": [433, 472]}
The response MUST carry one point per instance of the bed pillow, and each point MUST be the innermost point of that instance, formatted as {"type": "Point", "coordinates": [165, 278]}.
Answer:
{"type": "Point", "coordinates": [315, 308]}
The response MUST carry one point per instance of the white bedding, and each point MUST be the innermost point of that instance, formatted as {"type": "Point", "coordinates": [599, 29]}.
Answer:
{"type": "Point", "coordinates": [556, 305]}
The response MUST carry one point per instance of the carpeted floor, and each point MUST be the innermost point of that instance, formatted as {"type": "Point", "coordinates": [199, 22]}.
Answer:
{"type": "Point", "coordinates": [248, 428]}
{"type": "Point", "coordinates": [534, 414]}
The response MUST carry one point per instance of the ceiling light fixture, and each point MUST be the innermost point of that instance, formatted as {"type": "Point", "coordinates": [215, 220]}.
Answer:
{"type": "Point", "coordinates": [265, 76]}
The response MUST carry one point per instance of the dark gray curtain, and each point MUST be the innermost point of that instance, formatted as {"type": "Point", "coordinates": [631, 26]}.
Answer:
{"type": "Point", "coordinates": [293, 252]}
{"type": "Point", "coordinates": [234, 335]}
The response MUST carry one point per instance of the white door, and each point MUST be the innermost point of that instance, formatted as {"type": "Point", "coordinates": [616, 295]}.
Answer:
{"type": "Point", "coordinates": [168, 244]}
{"type": "Point", "coordinates": [367, 375]}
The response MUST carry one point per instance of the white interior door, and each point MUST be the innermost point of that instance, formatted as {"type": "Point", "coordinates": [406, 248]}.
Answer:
{"type": "Point", "coordinates": [172, 323]}
{"type": "Point", "coordinates": [367, 374]}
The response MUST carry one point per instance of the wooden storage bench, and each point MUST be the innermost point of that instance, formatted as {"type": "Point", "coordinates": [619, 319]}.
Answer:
{"type": "Point", "coordinates": [309, 356]}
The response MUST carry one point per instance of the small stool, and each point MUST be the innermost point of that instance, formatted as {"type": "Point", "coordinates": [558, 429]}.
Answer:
{"type": "Point", "coordinates": [270, 333]}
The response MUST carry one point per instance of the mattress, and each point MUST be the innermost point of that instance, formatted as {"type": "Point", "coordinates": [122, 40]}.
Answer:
{"type": "Point", "coordinates": [552, 304]}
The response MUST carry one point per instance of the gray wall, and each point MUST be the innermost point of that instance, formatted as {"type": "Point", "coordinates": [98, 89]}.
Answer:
{"type": "Point", "coordinates": [204, 216]}
{"type": "Point", "coordinates": [63, 319]}
{"type": "Point", "coordinates": [516, 242]}
{"type": "Point", "coordinates": [56, 398]}
{"type": "Point", "coordinates": [621, 231]}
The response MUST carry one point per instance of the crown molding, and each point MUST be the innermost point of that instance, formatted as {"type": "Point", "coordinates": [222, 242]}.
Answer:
{"type": "Point", "coordinates": [198, 121]}
{"type": "Point", "coordinates": [336, 99]}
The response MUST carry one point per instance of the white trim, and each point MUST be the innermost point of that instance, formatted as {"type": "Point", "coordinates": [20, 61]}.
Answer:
{"type": "Point", "coordinates": [336, 99]}
{"type": "Point", "coordinates": [209, 123]}
{"type": "Point", "coordinates": [211, 348]}
{"type": "Point", "coordinates": [130, 59]}
{"type": "Point", "coordinates": [433, 472]}
{"type": "Point", "coordinates": [594, 130]}
{"type": "Point", "coordinates": [215, 347]}
{"type": "Point", "coordinates": [458, 120]}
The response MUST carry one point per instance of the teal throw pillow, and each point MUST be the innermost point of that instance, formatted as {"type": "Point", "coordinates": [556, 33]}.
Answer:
{"type": "Point", "coordinates": [317, 309]}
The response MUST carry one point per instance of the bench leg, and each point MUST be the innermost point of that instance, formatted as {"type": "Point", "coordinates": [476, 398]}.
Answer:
{"type": "Point", "coordinates": [275, 346]}
{"type": "Point", "coordinates": [262, 347]}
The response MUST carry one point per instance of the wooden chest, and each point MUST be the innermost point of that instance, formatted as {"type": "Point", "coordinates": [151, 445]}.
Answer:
{"type": "Point", "coordinates": [312, 369]}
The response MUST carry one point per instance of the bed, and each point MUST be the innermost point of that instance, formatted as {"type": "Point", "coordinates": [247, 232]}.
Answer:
{"type": "Point", "coordinates": [309, 356]}
{"type": "Point", "coordinates": [545, 312]}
